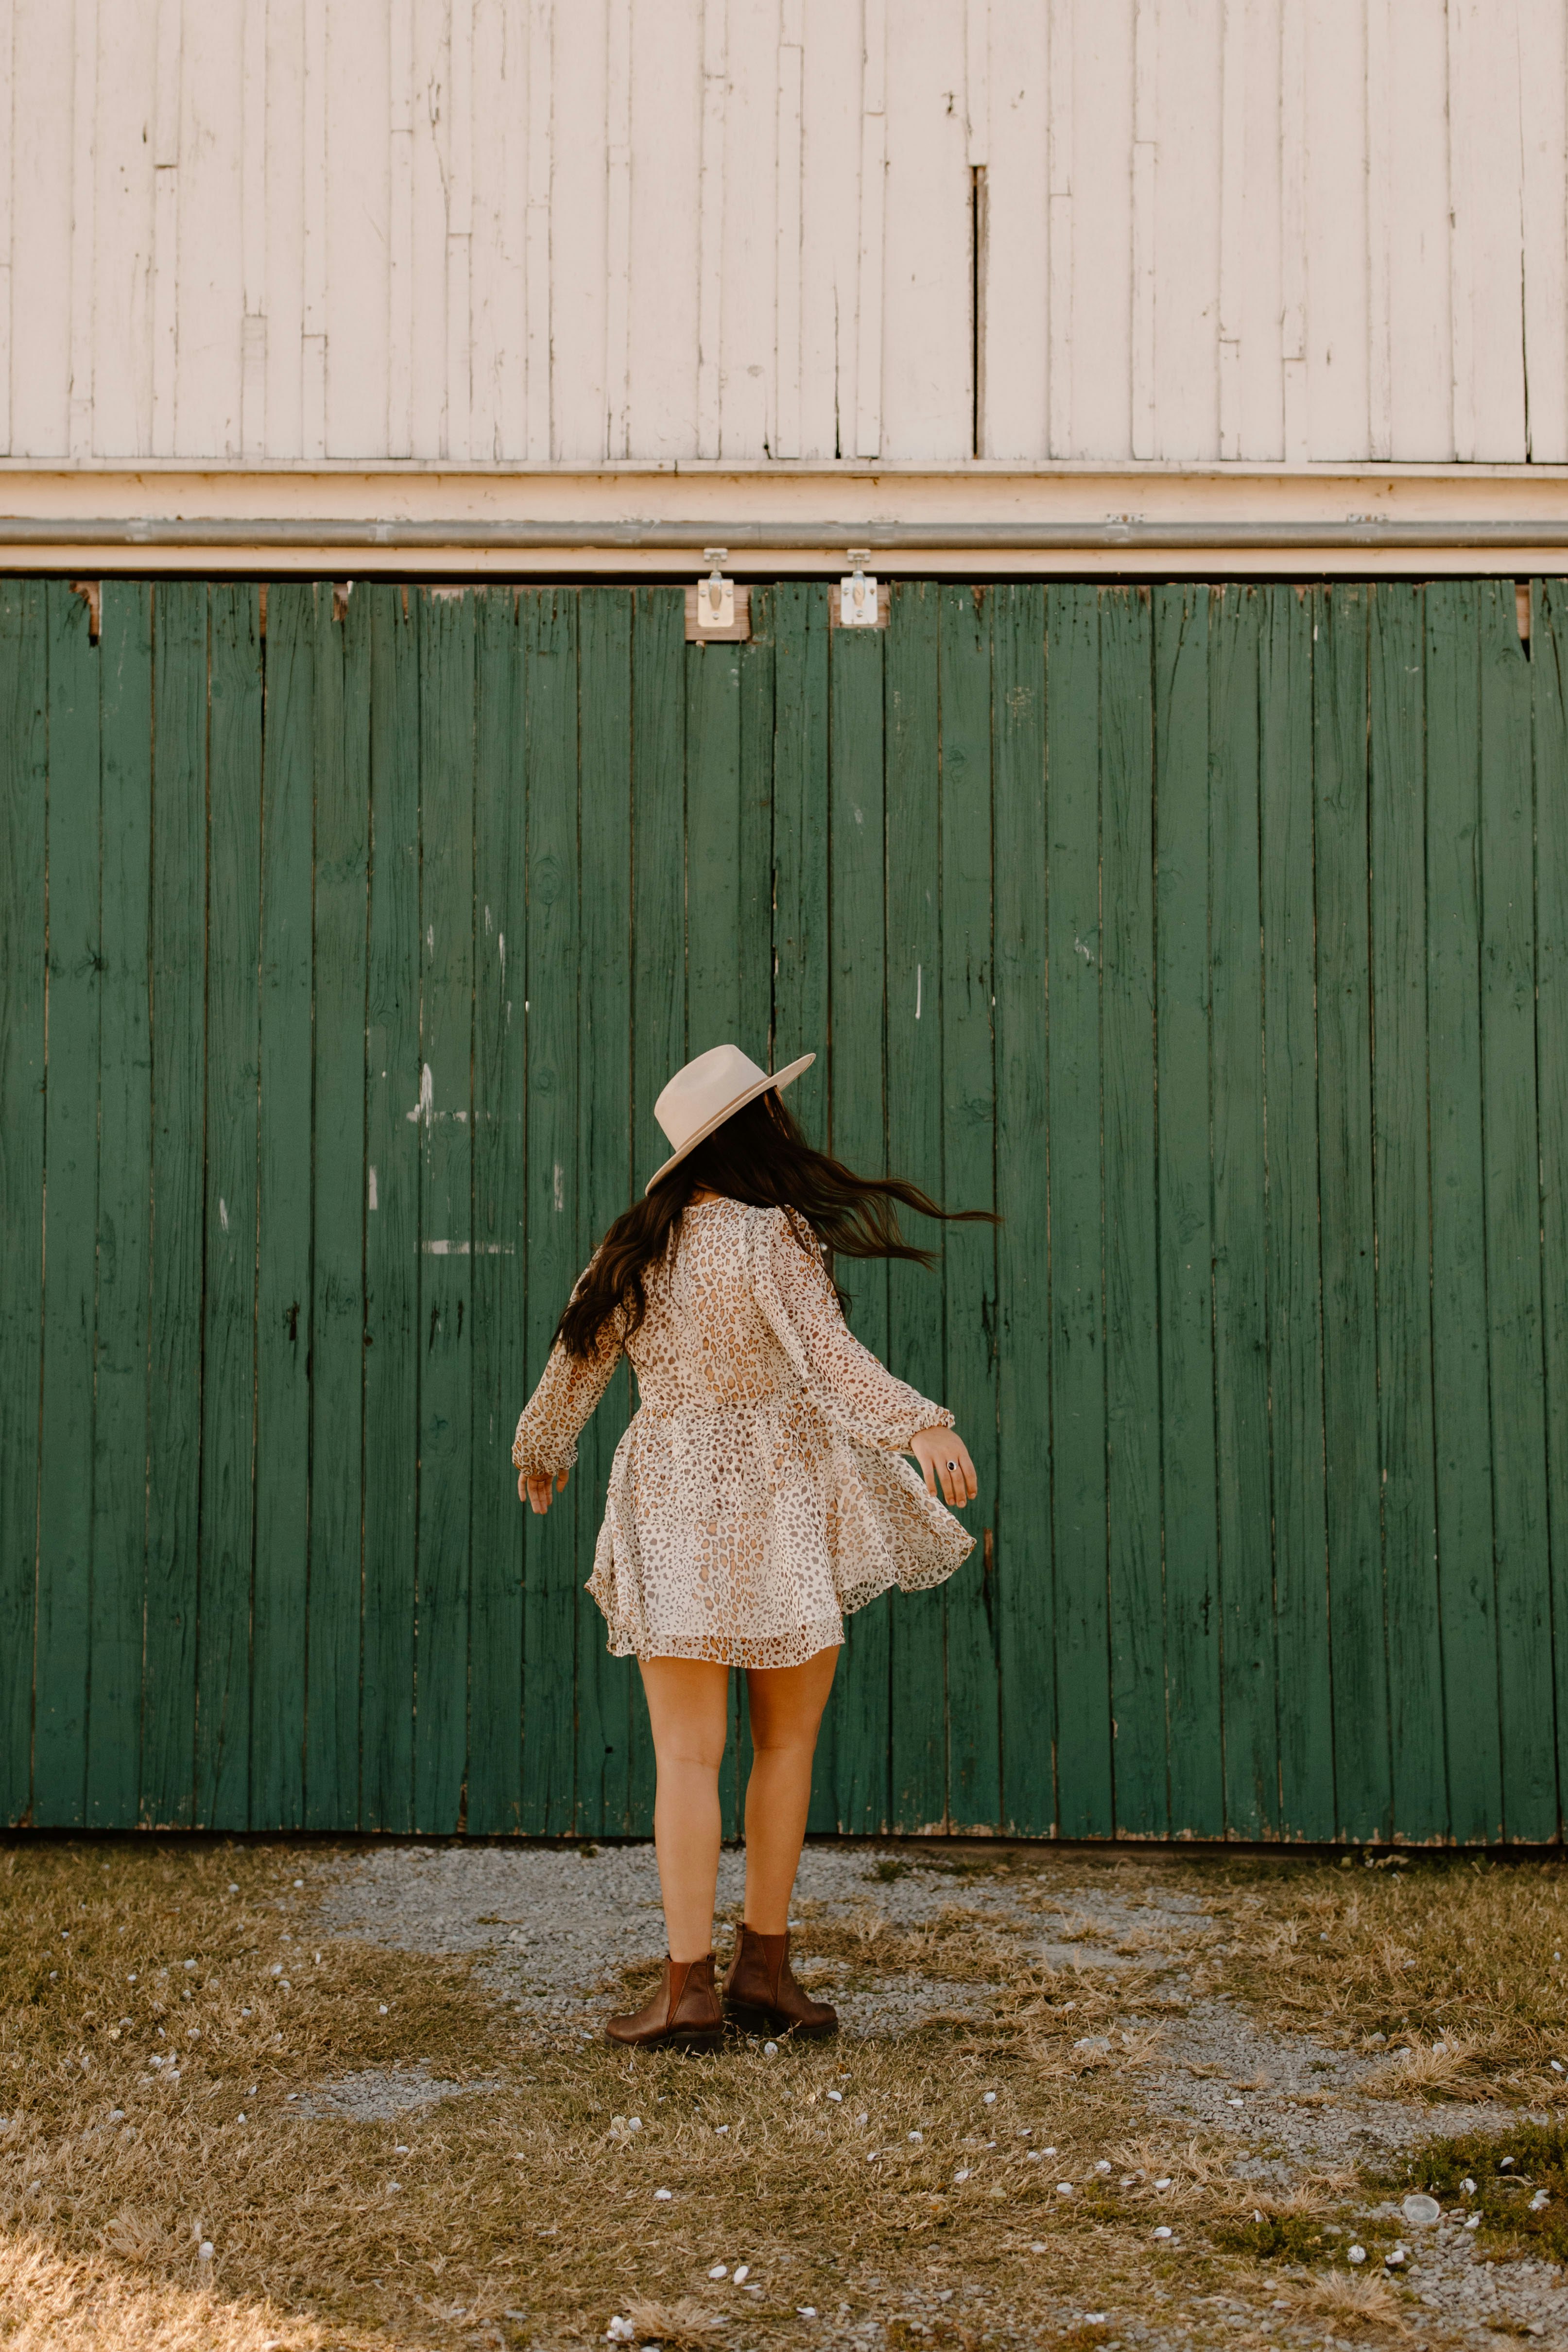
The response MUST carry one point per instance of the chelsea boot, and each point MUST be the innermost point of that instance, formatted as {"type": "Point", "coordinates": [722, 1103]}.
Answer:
{"type": "Point", "coordinates": [685, 2012]}
{"type": "Point", "coordinates": [760, 1995]}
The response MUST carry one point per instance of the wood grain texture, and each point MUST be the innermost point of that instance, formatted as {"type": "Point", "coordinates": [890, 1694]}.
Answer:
{"type": "Point", "coordinates": [1189, 1465]}
{"type": "Point", "coordinates": [1549, 680]}
{"type": "Point", "coordinates": [1025, 1567]}
{"type": "Point", "coordinates": [1294, 1303]}
{"type": "Point", "coordinates": [1244, 232]}
{"type": "Point", "coordinates": [494, 1772]}
{"type": "Point", "coordinates": [1402, 1207]}
{"type": "Point", "coordinates": [444, 1127]}
{"type": "Point", "coordinates": [124, 1204]}
{"type": "Point", "coordinates": [341, 910]}
{"type": "Point", "coordinates": [969, 1182]}
{"type": "Point", "coordinates": [70, 1176]}
{"type": "Point", "coordinates": [1462, 1435]}
{"type": "Point", "coordinates": [392, 1352]}
{"type": "Point", "coordinates": [1131, 1241]}
{"type": "Point", "coordinates": [1084, 1737]}
{"type": "Point", "coordinates": [178, 999]}
{"type": "Point", "coordinates": [228, 1332]}
{"type": "Point", "coordinates": [1352, 1458]}
{"type": "Point", "coordinates": [1510, 1128]}
{"type": "Point", "coordinates": [288, 1362]}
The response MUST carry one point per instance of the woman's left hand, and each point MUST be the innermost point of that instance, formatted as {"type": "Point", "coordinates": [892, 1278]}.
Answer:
{"type": "Point", "coordinates": [945, 1464]}
{"type": "Point", "coordinates": [541, 1492]}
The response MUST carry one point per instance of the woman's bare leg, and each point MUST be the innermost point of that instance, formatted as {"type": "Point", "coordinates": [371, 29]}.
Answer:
{"type": "Point", "coordinates": [688, 1704]}
{"type": "Point", "coordinates": [786, 1703]}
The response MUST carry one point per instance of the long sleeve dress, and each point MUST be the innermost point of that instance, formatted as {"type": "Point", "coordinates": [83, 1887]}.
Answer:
{"type": "Point", "coordinates": [758, 1494]}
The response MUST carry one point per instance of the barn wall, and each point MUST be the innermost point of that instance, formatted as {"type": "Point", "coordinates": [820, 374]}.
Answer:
{"type": "Point", "coordinates": [499, 230]}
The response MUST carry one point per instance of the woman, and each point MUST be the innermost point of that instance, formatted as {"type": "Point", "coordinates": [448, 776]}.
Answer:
{"type": "Point", "coordinates": [756, 1496]}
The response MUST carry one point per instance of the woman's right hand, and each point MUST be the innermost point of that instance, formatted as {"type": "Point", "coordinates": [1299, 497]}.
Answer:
{"type": "Point", "coordinates": [540, 1491]}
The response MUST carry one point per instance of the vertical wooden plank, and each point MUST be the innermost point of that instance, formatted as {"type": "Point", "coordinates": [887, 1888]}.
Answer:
{"type": "Point", "coordinates": [1024, 1568]}
{"type": "Point", "coordinates": [800, 841]}
{"type": "Point", "coordinates": [1513, 1224]}
{"type": "Point", "coordinates": [851, 1791]}
{"type": "Point", "coordinates": [1131, 1260]}
{"type": "Point", "coordinates": [1461, 1434]}
{"type": "Point", "coordinates": [1084, 1767]}
{"type": "Point", "coordinates": [658, 947]}
{"type": "Point", "coordinates": [230, 1295]}
{"type": "Point", "coordinates": [392, 1352]}
{"type": "Point", "coordinates": [1183, 993]}
{"type": "Point", "coordinates": [1402, 1207]}
{"type": "Point", "coordinates": [71, 1177]}
{"type": "Point", "coordinates": [179, 1057]}
{"type": "Point", "coordinates": [1248, 1656]}
{"type": "Point", "coordinates": [554, 1257]}
{"type": "Point", "coordinates": [287, 1365]}
{"type": "Point", "coordinates": [608, 1177]}
{"type": "Point", "coordinates": [1295, 1345]}
{"type": "Point", "coordinates": [917, 1734]}
{"type": "Point", "coordinates": [338, 1352]}
{"type": "Point", "coordinates": [446, 1202]}
{"type": "Point", "coordinates": [1549, 678]}
{"type": "Point", "coordinates": [124, 1206]}
{"type": "Point", "coordinates": [1340, 826]}
{"type": "Point", "coordinates": [500, 1371]}
{"type": "Point", "coordinates": [969, 1155]}
{"type": "Point", "coordinates": [24, 774]}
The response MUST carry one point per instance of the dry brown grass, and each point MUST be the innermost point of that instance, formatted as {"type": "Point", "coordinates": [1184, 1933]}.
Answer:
{"type": "Point", "coordinates": [519, 2215]}
{"type": "Point", "coordinates": [1469, 1953]}
{"type": "Point", "coordinates": [523, 2217]}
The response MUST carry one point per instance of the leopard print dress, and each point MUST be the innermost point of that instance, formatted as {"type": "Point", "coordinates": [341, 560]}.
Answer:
{"type": "Point", "coordinates": [758, 1494]}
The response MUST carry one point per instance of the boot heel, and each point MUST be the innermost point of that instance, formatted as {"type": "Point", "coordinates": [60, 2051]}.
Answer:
{"type": "Point", "coordinates": [746, 2020]}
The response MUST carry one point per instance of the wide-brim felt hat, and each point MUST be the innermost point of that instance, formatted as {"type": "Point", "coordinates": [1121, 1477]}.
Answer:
{"type": "Point", "coordinates": [706, 1092]}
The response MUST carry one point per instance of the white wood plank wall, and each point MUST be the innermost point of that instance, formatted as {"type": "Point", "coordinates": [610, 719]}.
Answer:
{"type": "Point", "coordinates": [562, 231]}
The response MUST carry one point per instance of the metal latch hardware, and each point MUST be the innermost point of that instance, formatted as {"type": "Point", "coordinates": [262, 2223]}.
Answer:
{"type": "Point", "coordinates": [715, 595]}
{"type": "Point", "coordinates": [857, 593]}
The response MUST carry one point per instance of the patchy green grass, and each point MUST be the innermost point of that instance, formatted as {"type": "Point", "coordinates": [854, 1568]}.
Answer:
{"type": "Point", "coordinates": [1509, 2170]}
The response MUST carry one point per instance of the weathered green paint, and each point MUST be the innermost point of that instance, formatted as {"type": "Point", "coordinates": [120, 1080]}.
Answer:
{"type": "Point", "coordinates": [1216, 937]}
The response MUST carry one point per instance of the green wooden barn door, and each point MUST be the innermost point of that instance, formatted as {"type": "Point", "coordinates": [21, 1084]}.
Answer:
{"type": "Point", "coordinates": [1215, 937]}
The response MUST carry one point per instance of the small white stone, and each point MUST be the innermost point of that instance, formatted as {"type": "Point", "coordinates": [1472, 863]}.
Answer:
{"type": "Point", "coordinates": [990, 2099]}
{"type": "Point", "coordinates": [1163, 2231]}
{"type": "Point", "coordinates": [1356, 2255]}
{"type": "Point", "coordinates": [239, 2119]}
{"type": "Point", "coordinates": [663, 2196]}
{"type": "Point", "coordinates": [233, 1888]}
{"type": "Point", "coordinates": [400, 2149]}
{"type": "Point", "coordinates": [917, 2137]}
{"type": "Point", "coordinates": [770, 2050]}
{"type": "Point", "coordinates": [1064, 2188]}
{"type": "Point", "coordinates": [720, 2270]}
{"type": "Point", "coordinates": [1102, 2165]}
{"type": "Point", "coordinates": [189, 1966]}
{"type": "Point", "coordinates": [1469, 2186]}
{"type": "Point", "coordinates": [1235, 2102]}
{"type": "Point", "coordinates": [806, 2311]}
{"type": "Point", "coordinates": [205, 2250]}
{"type": "Point", "coordinates": [862, 2120]}
{"type": "Point", "coordinates": [1474, 2222]}
{"type": "Point", "coordinates": [1540, 2199]}
{"type": "Point", "coordinates": [1421, 2212]}
{"type": "Point", "coordinates": [116, 2115]}
{"type": "Point", "coordinates": [836, 2097]}
{"type": "Point", "coordinates": [1163, 2181]}
{"type": "Point", "coordinates": [1037, 2246]}
{"type": "Point", "coordinates": [742, 2272]}
{"type": "Point", "coordinates": [720, 2129]}
{"type": "Point", "coordinates": [276, 1968]}
{"type": "Point", "coordinates": [381, 2009]}
{"type": "Point", "coordinates": [1035, 2154]}
{"type": "Point", "coordinates": [964, 2175]}
{"type": "Point", "coordinates": [299, 1882]}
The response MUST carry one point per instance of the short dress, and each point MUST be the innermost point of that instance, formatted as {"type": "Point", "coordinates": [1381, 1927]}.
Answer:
{"type": "Point", "coordinates": [758, 1494]}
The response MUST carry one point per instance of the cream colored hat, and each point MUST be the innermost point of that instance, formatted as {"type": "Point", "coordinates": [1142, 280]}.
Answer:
{"type": "Point", "coordinates": [706, 1093]}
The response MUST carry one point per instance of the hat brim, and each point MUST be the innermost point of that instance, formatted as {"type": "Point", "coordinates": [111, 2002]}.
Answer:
{"type": "Point", "coordinates": [780, 1078]}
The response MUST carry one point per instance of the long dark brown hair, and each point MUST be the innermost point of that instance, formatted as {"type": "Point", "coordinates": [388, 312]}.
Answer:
{"type": "Point", "coordinates": [759, 1156]}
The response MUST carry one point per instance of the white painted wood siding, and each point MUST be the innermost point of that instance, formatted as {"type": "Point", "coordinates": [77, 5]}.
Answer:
{"type": "Point", "coordinates": [562, 231]}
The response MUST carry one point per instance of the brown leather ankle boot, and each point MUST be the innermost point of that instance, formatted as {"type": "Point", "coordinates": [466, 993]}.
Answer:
{"type": "Point", "coordinates": [760, 1995]}
{"type": "Point", "coordinates": [685, 2012]}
